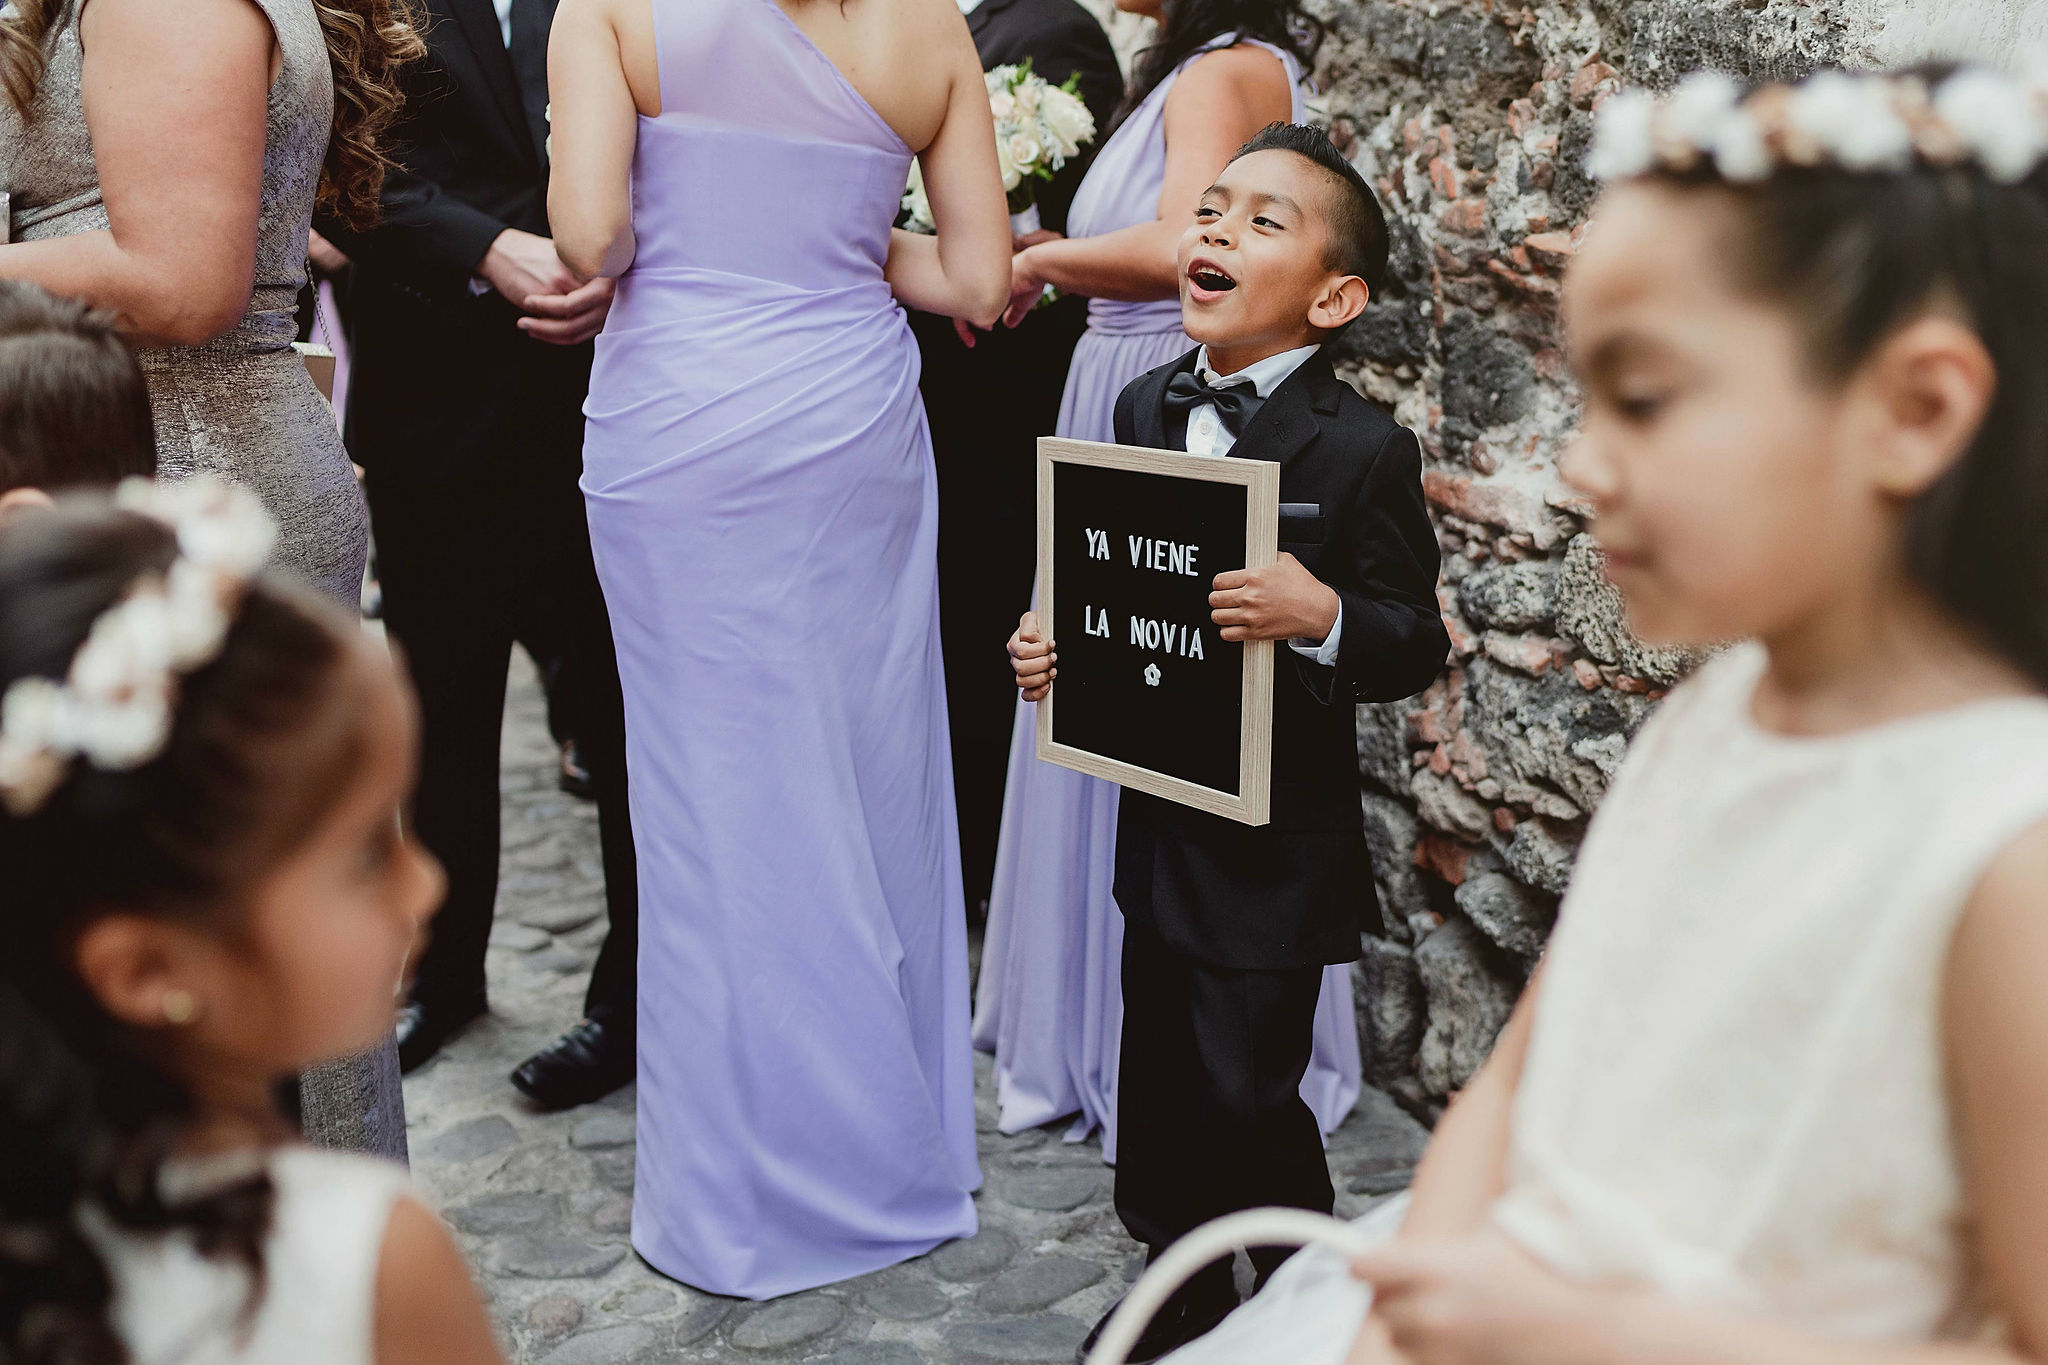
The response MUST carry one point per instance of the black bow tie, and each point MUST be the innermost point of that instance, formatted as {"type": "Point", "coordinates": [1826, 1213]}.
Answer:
{"type": "Point", "coordinates": [1234, 403]}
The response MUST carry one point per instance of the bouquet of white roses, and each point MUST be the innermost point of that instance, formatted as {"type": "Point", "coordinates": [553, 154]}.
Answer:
{"type": "Point", "coordinates": [1038, 127]}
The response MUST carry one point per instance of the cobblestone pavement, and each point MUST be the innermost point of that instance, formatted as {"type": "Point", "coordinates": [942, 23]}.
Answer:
{"type": "Point", "coordinates": [541, 1202]}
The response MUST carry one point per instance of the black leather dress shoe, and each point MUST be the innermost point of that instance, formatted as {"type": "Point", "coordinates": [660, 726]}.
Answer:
{"type": "Point", "coordinates": [587, 1063]}
{"type": "Point", "coordinates": [1174, 1326]}
{"type": "Point", "coordinates": [423, 1028]}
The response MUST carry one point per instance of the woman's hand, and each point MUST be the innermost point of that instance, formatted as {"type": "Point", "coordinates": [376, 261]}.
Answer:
{"type": "Point", "coordinates": [1019, 245]}
{"type": "Point", "coordinates": [1480, 1300]}
{"type": "Point", "coordinates": [1027, 286]}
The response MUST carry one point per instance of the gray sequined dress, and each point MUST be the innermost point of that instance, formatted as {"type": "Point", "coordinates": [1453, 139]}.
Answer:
{"type": "Point", "coordinates": [241, 406]}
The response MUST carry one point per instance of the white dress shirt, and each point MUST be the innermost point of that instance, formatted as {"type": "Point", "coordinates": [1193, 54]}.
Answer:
{"type": "Point", "coordinates": [505, 19]}
{"type": "Point", "coordinates": [1209, 437]}
{"type": "Point", "coordinates": [969, 6]}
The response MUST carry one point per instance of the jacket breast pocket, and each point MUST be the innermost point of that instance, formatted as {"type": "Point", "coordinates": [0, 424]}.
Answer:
{"type": "Point", "coordinates": [1302, 523]}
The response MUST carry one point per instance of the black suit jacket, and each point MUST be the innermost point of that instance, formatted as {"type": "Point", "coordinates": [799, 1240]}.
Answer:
{"type": "Point", "coordinates": [442, 380]}
{"type": "Point", "coordinates": [1061, 39]}
{"type": "Point", "coordinates": [1299, 891]}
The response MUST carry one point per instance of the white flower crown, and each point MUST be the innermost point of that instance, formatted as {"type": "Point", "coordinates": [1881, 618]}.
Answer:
{"type": "Point", "coordinates": [116, 706]}
{"type": "Point", "coordinates": [1855, 122]}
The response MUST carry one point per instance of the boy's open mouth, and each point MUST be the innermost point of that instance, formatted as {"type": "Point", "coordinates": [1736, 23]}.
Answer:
{"type": "Point", "coordinates": [1208, 279]}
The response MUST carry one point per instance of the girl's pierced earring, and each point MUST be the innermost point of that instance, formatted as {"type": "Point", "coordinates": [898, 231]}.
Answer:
{"type": "Point", "coordinates": [180, 1007]}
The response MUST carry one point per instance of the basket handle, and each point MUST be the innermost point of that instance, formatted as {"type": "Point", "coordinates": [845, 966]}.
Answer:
{"type": "Point", "coordinates": [1252, 1228]}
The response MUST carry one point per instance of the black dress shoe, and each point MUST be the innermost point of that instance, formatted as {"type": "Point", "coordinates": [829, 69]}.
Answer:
{"type": "Point", "coordinates": [587, 1063]}
{"type": "Point", "coordinates": [1182, 1320]}
{"type": "Point", "coordinates": [423, 1028]}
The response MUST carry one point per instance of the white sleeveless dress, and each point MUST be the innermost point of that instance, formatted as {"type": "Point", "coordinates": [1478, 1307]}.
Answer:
{"type": "Point", "coordinates": [1734, 1091]}
{"type": "Point", "coordinates": [173, 1306]}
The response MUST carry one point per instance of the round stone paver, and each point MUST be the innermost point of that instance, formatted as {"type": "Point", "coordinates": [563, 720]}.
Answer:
{"type": "Point", "coordinates": [875, 1353]}
{"type": "Point", "coordinates": [600, 1131]}
{"type": "Point", "coordinates": [614, 1169]}
{"type": "Point", "coordinates": [790, 1322]}
{"type": "Point", "coordinates": [612, 1216]}
{"type": "Point", "coordinates": [619, 1345]}
{"type": "Point", "coordinates": [472, 1140]}
{"type": "Point", "coordinates": [514, 1212]}
{"type": "Point", "coordinates": [557, 1258]}
{"type": "Point", "coordinates": [904, 1301]}
{"type": "Point", "coordinates": [641, 1301]}
{"type": "Point", "coordinates": [1054, 1190]}
{"type": "Point", "coordinates": [558, 915]}
{"type": "Point", "coordinates": [554, 1314]}
{"type": "Point", "coordinates": [701, 1321]}
{"type": "Point", "coordinates": [1018, 1341]}
{"type": "Point", "coordinates": [1037, 1284]}
{"type": "Point", "coordinates": [976, 1258]}
{"type": "Point", "coordinates": [520, 938]}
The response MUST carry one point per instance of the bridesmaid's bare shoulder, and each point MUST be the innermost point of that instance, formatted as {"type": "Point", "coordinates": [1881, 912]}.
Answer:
{"type": "Point", "coordinates": [1245, 76]}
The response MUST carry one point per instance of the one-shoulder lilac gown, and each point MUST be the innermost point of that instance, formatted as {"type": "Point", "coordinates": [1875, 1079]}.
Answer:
{"type": "Point", "coordinates": [1050, 1000]}
{"type": "Point", "coordinates": [764, 513]}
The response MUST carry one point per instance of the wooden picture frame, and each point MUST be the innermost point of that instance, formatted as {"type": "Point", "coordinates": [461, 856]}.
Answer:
{"type": "Point", "coordinates": [1250, 800]}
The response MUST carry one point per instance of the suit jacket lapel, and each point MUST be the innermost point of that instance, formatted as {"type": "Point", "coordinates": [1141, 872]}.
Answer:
{"type": "Point", "coordinates": [1286, 422]}
{"type": "Point", "coordinates": [1148, 404]}
{"type": "Point", "coordinates": [478, 20]}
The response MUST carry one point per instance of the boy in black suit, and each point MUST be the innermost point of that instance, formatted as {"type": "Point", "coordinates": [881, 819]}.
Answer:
{"type": "Point", "coordinates": [1227, 928]}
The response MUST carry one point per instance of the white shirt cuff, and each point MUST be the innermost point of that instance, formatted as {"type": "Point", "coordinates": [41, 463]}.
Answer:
{"type": "Point", "coordinates": [1326, 652]}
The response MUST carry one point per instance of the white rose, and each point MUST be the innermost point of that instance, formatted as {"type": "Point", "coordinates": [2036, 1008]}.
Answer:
{"type": "Point", "coordinates": [1025, 153]}
{"type": "Point", "coordinates": [1067, 119]}
{"type": "Point", "coordinates": [1012, 176]}
{"type": "Point", "coordinates": [1003, 105]}
{"type": "Point", "coordinates": [127, 735]}
{"type": "Point", "coordinates": [32, 714]}
{"type": "Point", "coordinates": [1852, 118]}
{"type": "Point", "coordinates": [1740, 152]}
{"type": "Point", "coordinates": [1624, 137]}
{"type": "Point", "coordinates": [1993, 117]}
{"type": "Point", "coordinates": [1027, 97]}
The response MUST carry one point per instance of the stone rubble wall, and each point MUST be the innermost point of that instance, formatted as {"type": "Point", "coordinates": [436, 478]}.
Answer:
{"type": "Point", "coordinates": [1473, 118]}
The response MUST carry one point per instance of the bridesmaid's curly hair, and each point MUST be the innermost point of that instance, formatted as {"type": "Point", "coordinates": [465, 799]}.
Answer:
{"type": "Point", "coordinates": [368, 43]}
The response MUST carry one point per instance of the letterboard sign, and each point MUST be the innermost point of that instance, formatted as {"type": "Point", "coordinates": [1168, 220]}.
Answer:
{"type": "Point", "coordinates": [1149, 694]}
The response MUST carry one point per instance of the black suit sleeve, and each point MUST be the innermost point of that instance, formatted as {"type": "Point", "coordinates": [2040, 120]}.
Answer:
{"type": "Point", "coordinates": [1124, 418]}
{"type": "Point", "coordinates": [1394, 642]}
{"type": "Point", "coordinates": [423, 230]}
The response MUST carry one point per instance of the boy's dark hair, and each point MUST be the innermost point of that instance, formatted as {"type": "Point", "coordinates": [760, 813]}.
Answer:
{"type": "Point", "coordinates": [88, 1113]}
{"type": "Point", "coordinates": [1358, 227]}
{"type": "Point", "coordinates": [1852, 257]}
{"type": "Point", "coordinates": [73, 406]}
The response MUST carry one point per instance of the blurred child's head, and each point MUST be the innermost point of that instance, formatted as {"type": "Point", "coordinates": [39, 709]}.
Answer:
{"type": "Point", "coordinates": [1809, 385]}
{"type": "Point", "coordinates": [185, 928]}
{"type": "Point", "coordinates": [1287, 248]}
{"type": "Point", "coordinates": [73, 406]}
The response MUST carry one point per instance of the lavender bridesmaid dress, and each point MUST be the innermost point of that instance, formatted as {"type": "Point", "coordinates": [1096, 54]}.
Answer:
{"type": "Point", "coordinates": [764, 511]}
{"type": "Point", "coordinates": [1050, 1000]}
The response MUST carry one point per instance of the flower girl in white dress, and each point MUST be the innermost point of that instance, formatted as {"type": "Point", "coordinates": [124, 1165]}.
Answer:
{"type": "Point", "coordinates": [1779, 1091]}
{"type": "Point", "coordinates": [206, 889]}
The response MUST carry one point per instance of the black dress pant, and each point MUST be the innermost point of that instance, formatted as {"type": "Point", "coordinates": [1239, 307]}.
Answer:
{"type": "Point", "coordinates": [469, 564]}
{"type": "Point", "coordinates": [1210, 1119]}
